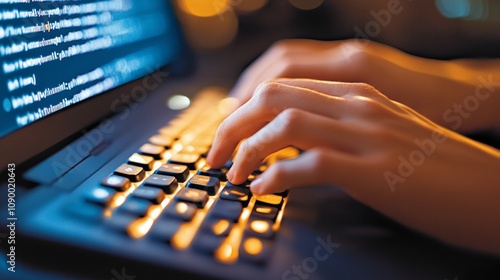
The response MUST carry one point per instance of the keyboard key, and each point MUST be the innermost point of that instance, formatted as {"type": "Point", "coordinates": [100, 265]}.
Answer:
{"type": "Point", "coordinates": [143, 161]}
{"type": "Point", "coordinates": [164, 229]}
{"type": "Point", "coordinates": [132, 172]}
{"type": "Point", "coordinates": [260, 228]}
{"type": "Point", "coordinates": [186, 159]}
{"type": "Point", "coordinates": [167, 183]}
{"type": "Point", "coordinates": [137, 207]}
{"type": "Point", "coordinates": [207, 243]}
{"type": "Point", "coordinates": [209, 184]}
{"type": "Point", "coordinates": [227, 209]}
{"type": "Point", "coordinates": [162, 140]}
{"type": "Point", "coordinates": [264, 212]}
{"type": "Point", "coordinates": [154, 195]}
{"type": "Point", "coordinates": [269, 200]}
{"type": "Point", "coordinates": [218, 173]}
{"type": "Point", "coordinates": [181, 210]}
{"type": "Point", "coordinates": [216, 226]}
{"type": "Point", "coordinates": [170, 131]}
{"type": "Point", "coordinates": [200, 150]}
{"type": "Point", "coordinates": [180, 172]}
{"type": "Point", "coordinates": [256, 250]}
{"type": "Point", "coordinates": [118, 183]}
{"type": "Point", "coordinates": [198, 197]}
{"type": "Point", "coordinates": [120, 221]}
{"type": "Point", "coordinates": [152, 150]}
{"type": "Point", "coordinates": [236, 193]}
{"type": "Point", "coordinates": [243, 185]}
{"type": "Point", "coordinates": [100, 196]}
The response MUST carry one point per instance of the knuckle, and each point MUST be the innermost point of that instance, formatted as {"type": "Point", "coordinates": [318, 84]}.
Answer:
{"type": "Point", "coordinates": [247, 150]}
{"type": "Point", "coordinates": [367, 107]}
{"type": "Point", "coordinates": [319, 159]}
{"type": "Point", "coordinates": [266, 92]}
{"type": "Point", "coordinates": [283, 47]}
{"type": "Point", "coordinates": [289, 119]}
{"type": "Point", "coordinates": [365, 89]}
{"type": "Point", "coordinates": [222, 129]}
{"type": "Point", "coordinates": [277, 171]}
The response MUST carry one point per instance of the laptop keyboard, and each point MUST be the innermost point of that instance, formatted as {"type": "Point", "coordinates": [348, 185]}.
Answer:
{"type": "Point", "coordinates": [166, 192]}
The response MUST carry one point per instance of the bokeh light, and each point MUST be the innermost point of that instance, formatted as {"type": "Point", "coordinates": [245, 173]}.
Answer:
{"type": "Point", "coordinates": [210, 32]}
{"type": "Point", "coordinates": [306, 4]}
{"type": "Point", "coordinates": [203, 8]}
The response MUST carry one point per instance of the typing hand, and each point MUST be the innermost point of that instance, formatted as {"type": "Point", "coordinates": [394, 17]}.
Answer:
{"type": "Point", "coordinates": [380, 151]}
{"type": "Point", "coordinates": [440, 90]}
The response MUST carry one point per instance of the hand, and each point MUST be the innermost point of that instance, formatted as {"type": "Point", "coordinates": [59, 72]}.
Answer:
{"type": "Point", "coordinates": [440, 90]}
{"type": "Point", "coordinates": [381, 152]}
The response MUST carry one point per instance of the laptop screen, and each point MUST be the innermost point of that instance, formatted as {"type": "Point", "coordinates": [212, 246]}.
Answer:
{"type": "Point", "coordinates": [55, 54]}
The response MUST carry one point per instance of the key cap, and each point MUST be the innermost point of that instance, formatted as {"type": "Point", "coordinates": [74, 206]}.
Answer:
{"type": "Point", "coordinates": [218, 173]}
{"type": "Point", "coordinates": [207, 243]}
{"type": "Point", "coordinates": [227, 209]}
{"type": "Point", "coordinates": [206, 183]}
{"type": "Point", "coordinates": [154, 195]}
{"type": "Point", "coordinates": [143, 161]}
{"type": "Point", "coordinates": [236, 193]}
{"type": "Point", "coordinates": [162, 140]}
{"type": "Point", "coordinates": [167, 183]}
{"type": "Point", "coordinates": [180, 172]}
{"type": "Point", "coordinates": [217, 226]}
{"type": "Point", "coordinates": [137, 207]}
{"type": "Point", "coordinates": [133, 173]}
{"type": "Point", "coordinates": [255, 250]}
{"type": "Point", "coordinates": [198, 197]}
{"type": "Point", "coordinates": [120, 221]}
{"type": "Point", "coordinates": [152, 150]}
{"type": "Point", "coordinates": [264, 212]}
{"type": "Point", "coordinates": [164, 229]}
{"type": "Point", "coordinates": [200, 150]}
{"type": "Point", "coordinates": [260, 228]}
{"type": "Point", "coordinates": [269, 200]}
{"type": "Point", "coordinates": [181, 210]}
{"type": "Point", "coordinates": [186, 159]}
{"type": "Point", "coordinates": [118, 183]}
{"type": "Point", "coordinates": [100, 196]}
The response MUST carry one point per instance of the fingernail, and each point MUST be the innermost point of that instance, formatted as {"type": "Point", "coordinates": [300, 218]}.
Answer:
{"type": "Point", "coordinates": [230, 175]}
{"type": "Point", "coordinates": [256, 185]}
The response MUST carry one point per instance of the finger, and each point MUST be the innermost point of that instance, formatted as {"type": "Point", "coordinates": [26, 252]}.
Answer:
{"type": "Point", "coordinates": [288, 58]}
{"type": "Point", "coordinates": [315, 167]}
{"type": "Point", "coordinates": [297, 128]}
{"type": "Point", "coordinates": [270, 100]}
{"type": "Point", "coordinates": [341, 89]}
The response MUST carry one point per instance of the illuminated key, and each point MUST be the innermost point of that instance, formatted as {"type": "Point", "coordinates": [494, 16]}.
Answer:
{"type": "Point", "coordinates": [181, 210]}
{"type": "Point", "coordinates": [180, 172]}
{"type": "Point", "coordinates": [256, 250]}
{"type": "Point", "coordinates": [132, 172]}
{"type": "Point", "coordinates": [167, 183]}
{"type": "Point", "coordinates": [143, 161]}
{"type": "Point", "coordinates": [152, 150]}
{"type": "Point", "coordinates": [187, 159]}
{"type": "Point", "coordinates": [206, 183]}
{"type": "Point", "coordinates": [198, 197]}
{"type": "Point", "coordinates": [260, 228]}
{"type": "Point", "coordinates": [269, 200]}
{"type": "Point", "coordinates": [116, 182]}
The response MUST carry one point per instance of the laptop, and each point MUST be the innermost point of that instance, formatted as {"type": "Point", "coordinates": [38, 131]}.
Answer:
{"type": "Point", "coordinates": [104, 129]}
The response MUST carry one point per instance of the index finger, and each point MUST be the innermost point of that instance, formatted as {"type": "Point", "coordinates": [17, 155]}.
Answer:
{"type": "Point", "coordinates": [271, 99]}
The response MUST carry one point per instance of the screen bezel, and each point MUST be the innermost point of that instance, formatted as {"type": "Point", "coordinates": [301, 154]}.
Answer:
{"type": "Point", "coordinates": [31, 144]}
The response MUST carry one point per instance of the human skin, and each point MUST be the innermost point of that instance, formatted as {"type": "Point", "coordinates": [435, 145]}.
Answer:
{"type": "Point", "coordinates": [353, 136]}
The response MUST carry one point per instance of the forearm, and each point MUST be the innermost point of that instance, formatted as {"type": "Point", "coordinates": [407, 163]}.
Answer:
{"type": "Point", "coordinates": [456, 206]}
